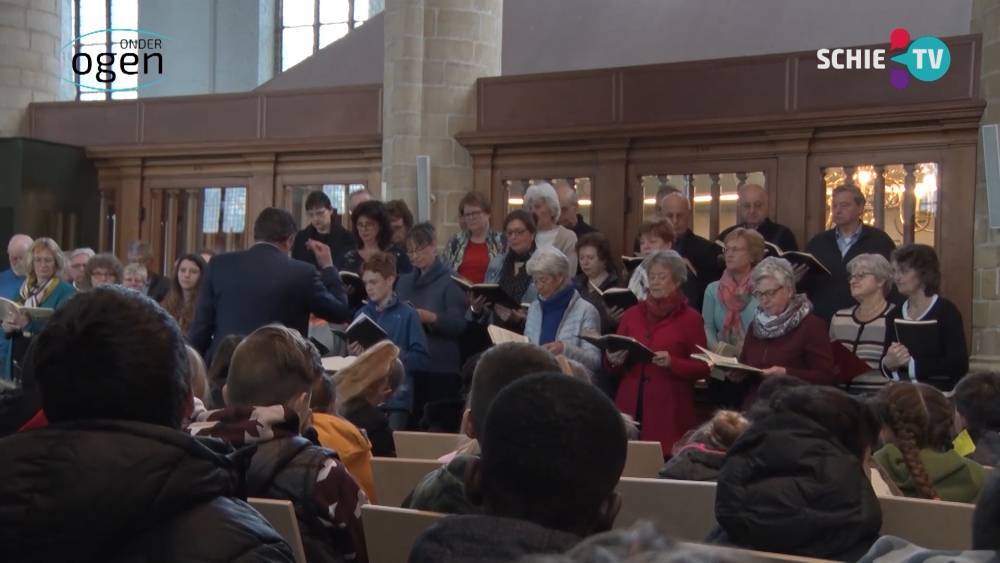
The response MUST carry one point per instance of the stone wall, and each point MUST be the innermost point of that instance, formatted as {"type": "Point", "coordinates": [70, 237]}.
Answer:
{"type": "Point", "coordinates": [30, 42]}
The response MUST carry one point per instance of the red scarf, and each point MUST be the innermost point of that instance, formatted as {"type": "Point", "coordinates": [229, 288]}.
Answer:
{"type": "Point", "coordinates": [735, 295]}
{"type": "Point", "coordinates": [658, 309]}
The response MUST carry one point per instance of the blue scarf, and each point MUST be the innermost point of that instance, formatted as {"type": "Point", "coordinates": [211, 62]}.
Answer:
{"type": "Point", "coordinates": [553, 311]}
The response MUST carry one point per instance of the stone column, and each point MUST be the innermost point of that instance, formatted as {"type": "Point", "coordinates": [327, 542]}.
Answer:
{"type": "Point", "coordinates": [434, 52]}
{"type": "Point", "coordinates": [986, 264]}
{"type": "Point", "coordinates": [30, 41]}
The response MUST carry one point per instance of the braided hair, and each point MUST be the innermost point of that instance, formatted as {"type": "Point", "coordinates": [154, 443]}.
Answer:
{"type": "Point", "coordinates": [921, 417]}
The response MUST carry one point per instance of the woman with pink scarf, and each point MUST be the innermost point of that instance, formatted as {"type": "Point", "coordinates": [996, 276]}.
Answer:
{"type": "Point", "coordinates": [729, 307]}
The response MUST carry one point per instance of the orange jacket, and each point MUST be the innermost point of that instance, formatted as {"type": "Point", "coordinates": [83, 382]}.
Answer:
{"type": "Point", "coordinates": [353, 448]}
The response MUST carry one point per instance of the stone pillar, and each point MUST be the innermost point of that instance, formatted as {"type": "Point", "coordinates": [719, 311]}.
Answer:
{"type": "Point", "coordinates": [434, 52]}
{"type": "Point", "coordinates": [30, 66]}
{"type": "Point", "coordinates": [986, 264]}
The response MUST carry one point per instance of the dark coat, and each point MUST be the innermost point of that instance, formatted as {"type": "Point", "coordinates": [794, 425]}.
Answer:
{"type": "Point", "coordinates": [157, 286]}
{"type": "Point", "coordinates": [942, 365]}
{"type": "Point", "coordinates": [374, 423]}
{"type": "Point", "coordinates": [245, 290]}
{"type": "Point", "coordinates": [487, 539]}
{"type": "Point", "coordinates": [832, 293]}
{"type": "Point", "coordinates": [788, 486]}
{"type": "Point", "coordinates": [778, 235]}
{"type": "Point", "coordinates": [694, 462]}
{"type": "Point", "coordinates": [126, 491]}
{"type": "Point", "coordinates": [704, 256]}
{"type": "Point", "coordinates": [339, 239]}
{"type": "Point", "coordinates": [435, 291]}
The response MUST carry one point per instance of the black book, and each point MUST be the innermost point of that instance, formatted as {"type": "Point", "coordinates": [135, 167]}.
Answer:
{"type": "Point", "coordinates": [631, 263]}
{"type": "Point", "coordinates": [638, 353]}
{"type": "Point", "coordinates": [921, 338]}
{"type": "Point", "coordinates": [492, 292]}
{"type": "Point", "coordinates": [365, 332]}
{"type": "Point", "coordinates": [356, 292]}
{"type": "Point", "coordinates": [621, 297]}
{"type": "Point", "coordinates": [796, 258]}
{"type": "Point", "coordinates": [323, 350]}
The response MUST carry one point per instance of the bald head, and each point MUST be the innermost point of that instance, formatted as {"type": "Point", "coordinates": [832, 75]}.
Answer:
{"type": "Point", "coordinates": [676, 208]}
{"type": "Point", "coordinates": [569, 204]}
{"type": "Point", "coordinates": [753, 205]}
{"type": "Point", "coordinates": [16, 249]}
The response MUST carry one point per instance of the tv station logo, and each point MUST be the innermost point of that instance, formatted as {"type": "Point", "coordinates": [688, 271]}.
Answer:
{"type": "Point", "coordinates": [927, 59]}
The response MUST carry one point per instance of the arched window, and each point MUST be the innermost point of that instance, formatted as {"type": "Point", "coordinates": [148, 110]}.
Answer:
{"type": "Point", "coordinates": [90, 21]}
{"type": "Point", "coordinates": [307, 26]}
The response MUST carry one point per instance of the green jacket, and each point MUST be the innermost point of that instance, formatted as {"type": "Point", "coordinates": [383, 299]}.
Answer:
{"type": "Point", "coordinates": [443, 490]}
{"type": "Point", "coordinates": [956, 478]}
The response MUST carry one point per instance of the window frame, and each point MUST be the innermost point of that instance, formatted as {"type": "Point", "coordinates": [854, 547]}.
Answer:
{"type": "Point", "coordinates": [108, 45]}
{"type": "Point", "coordinates": [279, 28]}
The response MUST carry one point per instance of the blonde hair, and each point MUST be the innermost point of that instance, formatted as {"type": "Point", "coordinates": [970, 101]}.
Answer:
{"type": "Point", "coordinates": [57, 254]}
{"type": "Point", "coordinates": [364, 377]}
{"type": "Point", "coordinates": [199, 376]}
{"type": "Point", "coordinates": [720, 433]}
{"type": "Point", "coordinates": [753, 240]}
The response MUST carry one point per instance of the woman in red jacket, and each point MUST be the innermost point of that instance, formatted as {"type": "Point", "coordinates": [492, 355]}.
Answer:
{"type": "Point", "coordinates": [660, 394]}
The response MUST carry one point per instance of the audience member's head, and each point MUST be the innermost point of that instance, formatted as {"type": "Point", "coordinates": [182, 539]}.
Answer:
{"type": "Point", "coordinates": [379, 275]}
{"type": "Point", "coordinates": [77, 262]}
{"type": "Point", "coordinates": [44, 260]}
{"type": "Point", "coordinates": [102, 269]}
{"type": "Point", "coordinates": [718, 434]}
{"type": "Point", "coordinates": [400, 218]}
{"type": "Point", "coordinates": [134, 276]}
{"type": "Point", "coordinates": [498, 367]}
{"type": "Point", "coordinates": [977, 400]}
{"type": "Point", "coordinates": [141, 252]}
{"type": "Point", "coordinates": [771, 385]}
{"type": "Point", "coordinates": [358, 197]}
{"type": "Point", "coordinates": [111, 353]}
{"type": "Point", "coordinates": [324, 396]}
{"type": "Point", "coordinates": [915, 416]}
{"type": "Point", "coordinates": [273, 366]}
{"type": "Point", "coordinates": [218, 371]}
{"type": "Point", "coordinates": [553, 450]}
{"type": "Point", "coordinates": [986, 518]}
{"type": "Point", "coordinates": [319, 210]}
{"type": "Point", "coordinates": [17, 248]}
{"type": "Point", "coordinates": [275, 226]}
{"type": "Point", "coordinates": [848, 419]}
{"type": "Point", "coordinates": [369, 378]}
{"type": "Point", "coordinates": [199, 378]}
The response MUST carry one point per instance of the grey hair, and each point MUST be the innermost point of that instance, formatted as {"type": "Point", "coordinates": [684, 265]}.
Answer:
{"type": "Point", "coordinates": [574, 196]}
{"type": "Point", "coordinates": [421, 234]}
{"type": "Point", "coordinates": [89, 252]}
{"type": "Point", "coordinates": [777, 269]}
{"type": "Point", "coordinates": [141, 248]}
{"type": "Point", "coordinates": [137, 269]}
{"type": "Point", "coordinates": [546, 192]}
{"type": "Point", "coordinates": [672, 260]}
{"type": "Point", "coordinates": [876, 265]}
{"type": "Point", "coordinates": [548, 261]}
{"type": "Point", "coordinates": [856, 194]}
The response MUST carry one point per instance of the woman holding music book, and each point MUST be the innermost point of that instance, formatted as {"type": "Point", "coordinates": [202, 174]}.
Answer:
{"type": "Point", "coordinates": [373, 233]}
{"type": "Point", "coordinates": [509, 272]}
{"type": "Point", "coordinates": [470, 251]}
{"type": "Point", "coordinates": [558, 316]}
{"type": "Point", "coordinates": [42, 289]}
{"type": "Point", "coordinates": [785, 337]}
{"type": "Point", "coordinates": [593, 252]}
{"type": "Point", "coordinates": [660, 394]}
{"type": "Point", "coordinates": [861, 329]}
{"type": "Point", "coordinates": [925, 337]}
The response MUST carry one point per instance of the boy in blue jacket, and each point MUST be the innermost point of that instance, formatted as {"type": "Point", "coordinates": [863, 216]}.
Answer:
{"type": "Point", "coordinates": [402, 323]}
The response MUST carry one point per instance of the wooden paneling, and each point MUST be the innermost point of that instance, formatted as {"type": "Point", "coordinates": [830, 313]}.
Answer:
{"type": "Point", "coordinates": [351, 111]}
{"type": "Point", "coordinates": [536, 102]}
{"type": "Point", "coordinates": [93, 123]}
{"type": "Point", "coordinates": [204, 120]}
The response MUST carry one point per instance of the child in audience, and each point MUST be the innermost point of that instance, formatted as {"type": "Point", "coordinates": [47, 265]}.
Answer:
{"type": "Point", "coordinates": [267, 404]}
{"type": "Point", "coordinates": [543, 494]}
{"type": "Point", "coordinates": [116, 478]}
{"type": "Point", "coordinates": [977, 400]}
{"type": "Point", "coordinates": [444, 490]}
{"type": "Point", "coordinates": [794, 482]}
{"type": "Point", "coordinates": [402, 323]}
{"type": "Point", "coordinates": [219, 370]}
{"type": "Point", "coordinates": [341, 436]}
{"type": "Point", "coordinates": [917, 422]}
{"type": "Point", "coordinates": [362, 386]}
{"type": "Point", "coordinates": [699, 456]}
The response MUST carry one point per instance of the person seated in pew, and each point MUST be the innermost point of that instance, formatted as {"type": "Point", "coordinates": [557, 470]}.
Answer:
{"type": "Point", "coordinates": [340, 435]}
{"type": "Point", "coordinates": [976, 398]}
{"type": "Point", "coordinates": [444, 490]}
{"type": "Point", "coordinates": [795, 483]}
{"type": "Point", "coordinates": [365, 384]}
{"type": "Point", "coordinates": [917, 422]}
{"type": "Point", "coordinates": [699, 455]}
{"type": "Point", "coordinates": [543, 494]}
{"type": "Point", "coordinates": [117, 479]}
{"type": "Point", "coordinates": [267, 405]}
{"type": "Point", "coordinates": [218, 369]}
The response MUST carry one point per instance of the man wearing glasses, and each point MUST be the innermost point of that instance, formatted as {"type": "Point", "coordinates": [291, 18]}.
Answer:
{"type": "Point", "coordinates": [322, 228]}
{"type": "Point", "coordinates": [753, 208]}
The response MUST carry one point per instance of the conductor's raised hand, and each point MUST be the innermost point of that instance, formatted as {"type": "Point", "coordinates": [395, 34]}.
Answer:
{"type": "Point", "coordinates": [321, 252]}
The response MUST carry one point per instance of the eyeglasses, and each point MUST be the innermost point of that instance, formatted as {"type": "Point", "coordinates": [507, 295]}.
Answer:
{"type": "Point", "coordinates": [735, 249]}
{"type": "Point", "coordinates": [43, 260]}
{"type": "Point", "coordinates": [472, 215]}
{"type": "Point", "coordinates": [768, 295]}
{"type": "Point", "coordinates": [366, 225]}
{"type": "Point", "coordinates": [416, 251]}
{"type": "Point", "coordinates": [101, 275]}
{"type": "Point", "coordinates": [516, 232]}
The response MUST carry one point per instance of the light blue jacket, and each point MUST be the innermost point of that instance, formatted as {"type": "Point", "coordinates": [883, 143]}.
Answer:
{"type": "Point", "coordinates": [580, 316]}
{"type": "Point", "coordinates": [714, 313]}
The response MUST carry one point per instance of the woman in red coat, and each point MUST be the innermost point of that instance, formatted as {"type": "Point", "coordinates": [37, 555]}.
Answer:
{"type": "Point", "coordinates": [660, 394]}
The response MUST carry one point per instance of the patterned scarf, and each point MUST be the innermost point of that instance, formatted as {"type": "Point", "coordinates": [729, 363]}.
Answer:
{"type": "Point", "coordinates": [657, 310]}
{"type": "Point", "coordinates": [735, 295]}
{"type": "Point", "coordinates": [513, 284]}
{"type": "Point", "coordinates": [454, 253]}
{"type": "Point", "coordinates": [33, 294]}
{"type": "Point", "coordinates": [766, 326]}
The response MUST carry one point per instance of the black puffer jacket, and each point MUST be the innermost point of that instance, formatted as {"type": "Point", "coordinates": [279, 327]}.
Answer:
{"type": "Point", "coordinates": [113, 491]}
{"type": "Point", "coordinates": [789, 487]}
{"type": "Point", "coordinates": [694, 462]}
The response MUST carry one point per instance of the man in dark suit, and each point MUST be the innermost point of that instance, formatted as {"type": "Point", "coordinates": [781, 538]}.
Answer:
{"type": "Point", "coordinates": [848, 238]}
{"type": "Point", "coordinates": [245, 290]}
{"type": "Point", "coordinates": [157, 286]}
{"type": "Point", "coordinates": [322, 228]}
{"type": "Point", "coordinates": [702, 253]}
{"type": "Point", "coordinates": [754, 209]}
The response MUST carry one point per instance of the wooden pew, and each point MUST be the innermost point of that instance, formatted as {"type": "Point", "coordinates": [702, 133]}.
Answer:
{"type": "Point", "coordinates": [931, 524]}
{"type": "Point", "coordinates": [391, 532]}
{"type": "Point", "coordinates": [644, 460]}
{"type": "Point", "coordinates": [424, 445]}
{"type": "Point", "coordinates": [395, 478]}
{"type": "Point", "coordinates": [685, 510]}
{"type": "Point", "coordinates": [280, 514]}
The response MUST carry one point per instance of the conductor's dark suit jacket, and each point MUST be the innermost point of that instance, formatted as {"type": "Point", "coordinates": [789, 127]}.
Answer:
{"type": "Point", "coordinates": [245, 290]}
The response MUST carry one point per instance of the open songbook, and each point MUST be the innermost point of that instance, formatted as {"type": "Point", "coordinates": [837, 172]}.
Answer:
{"type": "Point", "coordinates": [500, 335]}
{"type": "Point", "coordinates": [621, 297]}
{"type": "Point", "coordinates": [632, 262]}
{"type": "Point", "coordinates": [492, 292]}
{"type": "Point", "coordinates": [723, 362]}
{"type": "Point", "coordinates": [637, 352]}
{"type": "Point", "coordinates": [8, 307]}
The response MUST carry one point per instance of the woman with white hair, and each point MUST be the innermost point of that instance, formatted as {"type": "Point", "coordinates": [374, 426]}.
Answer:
{"type": "Point", "coordinates": [862, 328]}
{"type": "Point", "coordinates": [785, 338]}
{"type": "Point", "coordinates": [559, 314]}
{"type": "Point", "coordinates": [43, 288]}
{"type": "Point", "coordinates": [543, 202]}
{"type": "Point", "coordinates": [660, 394]}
